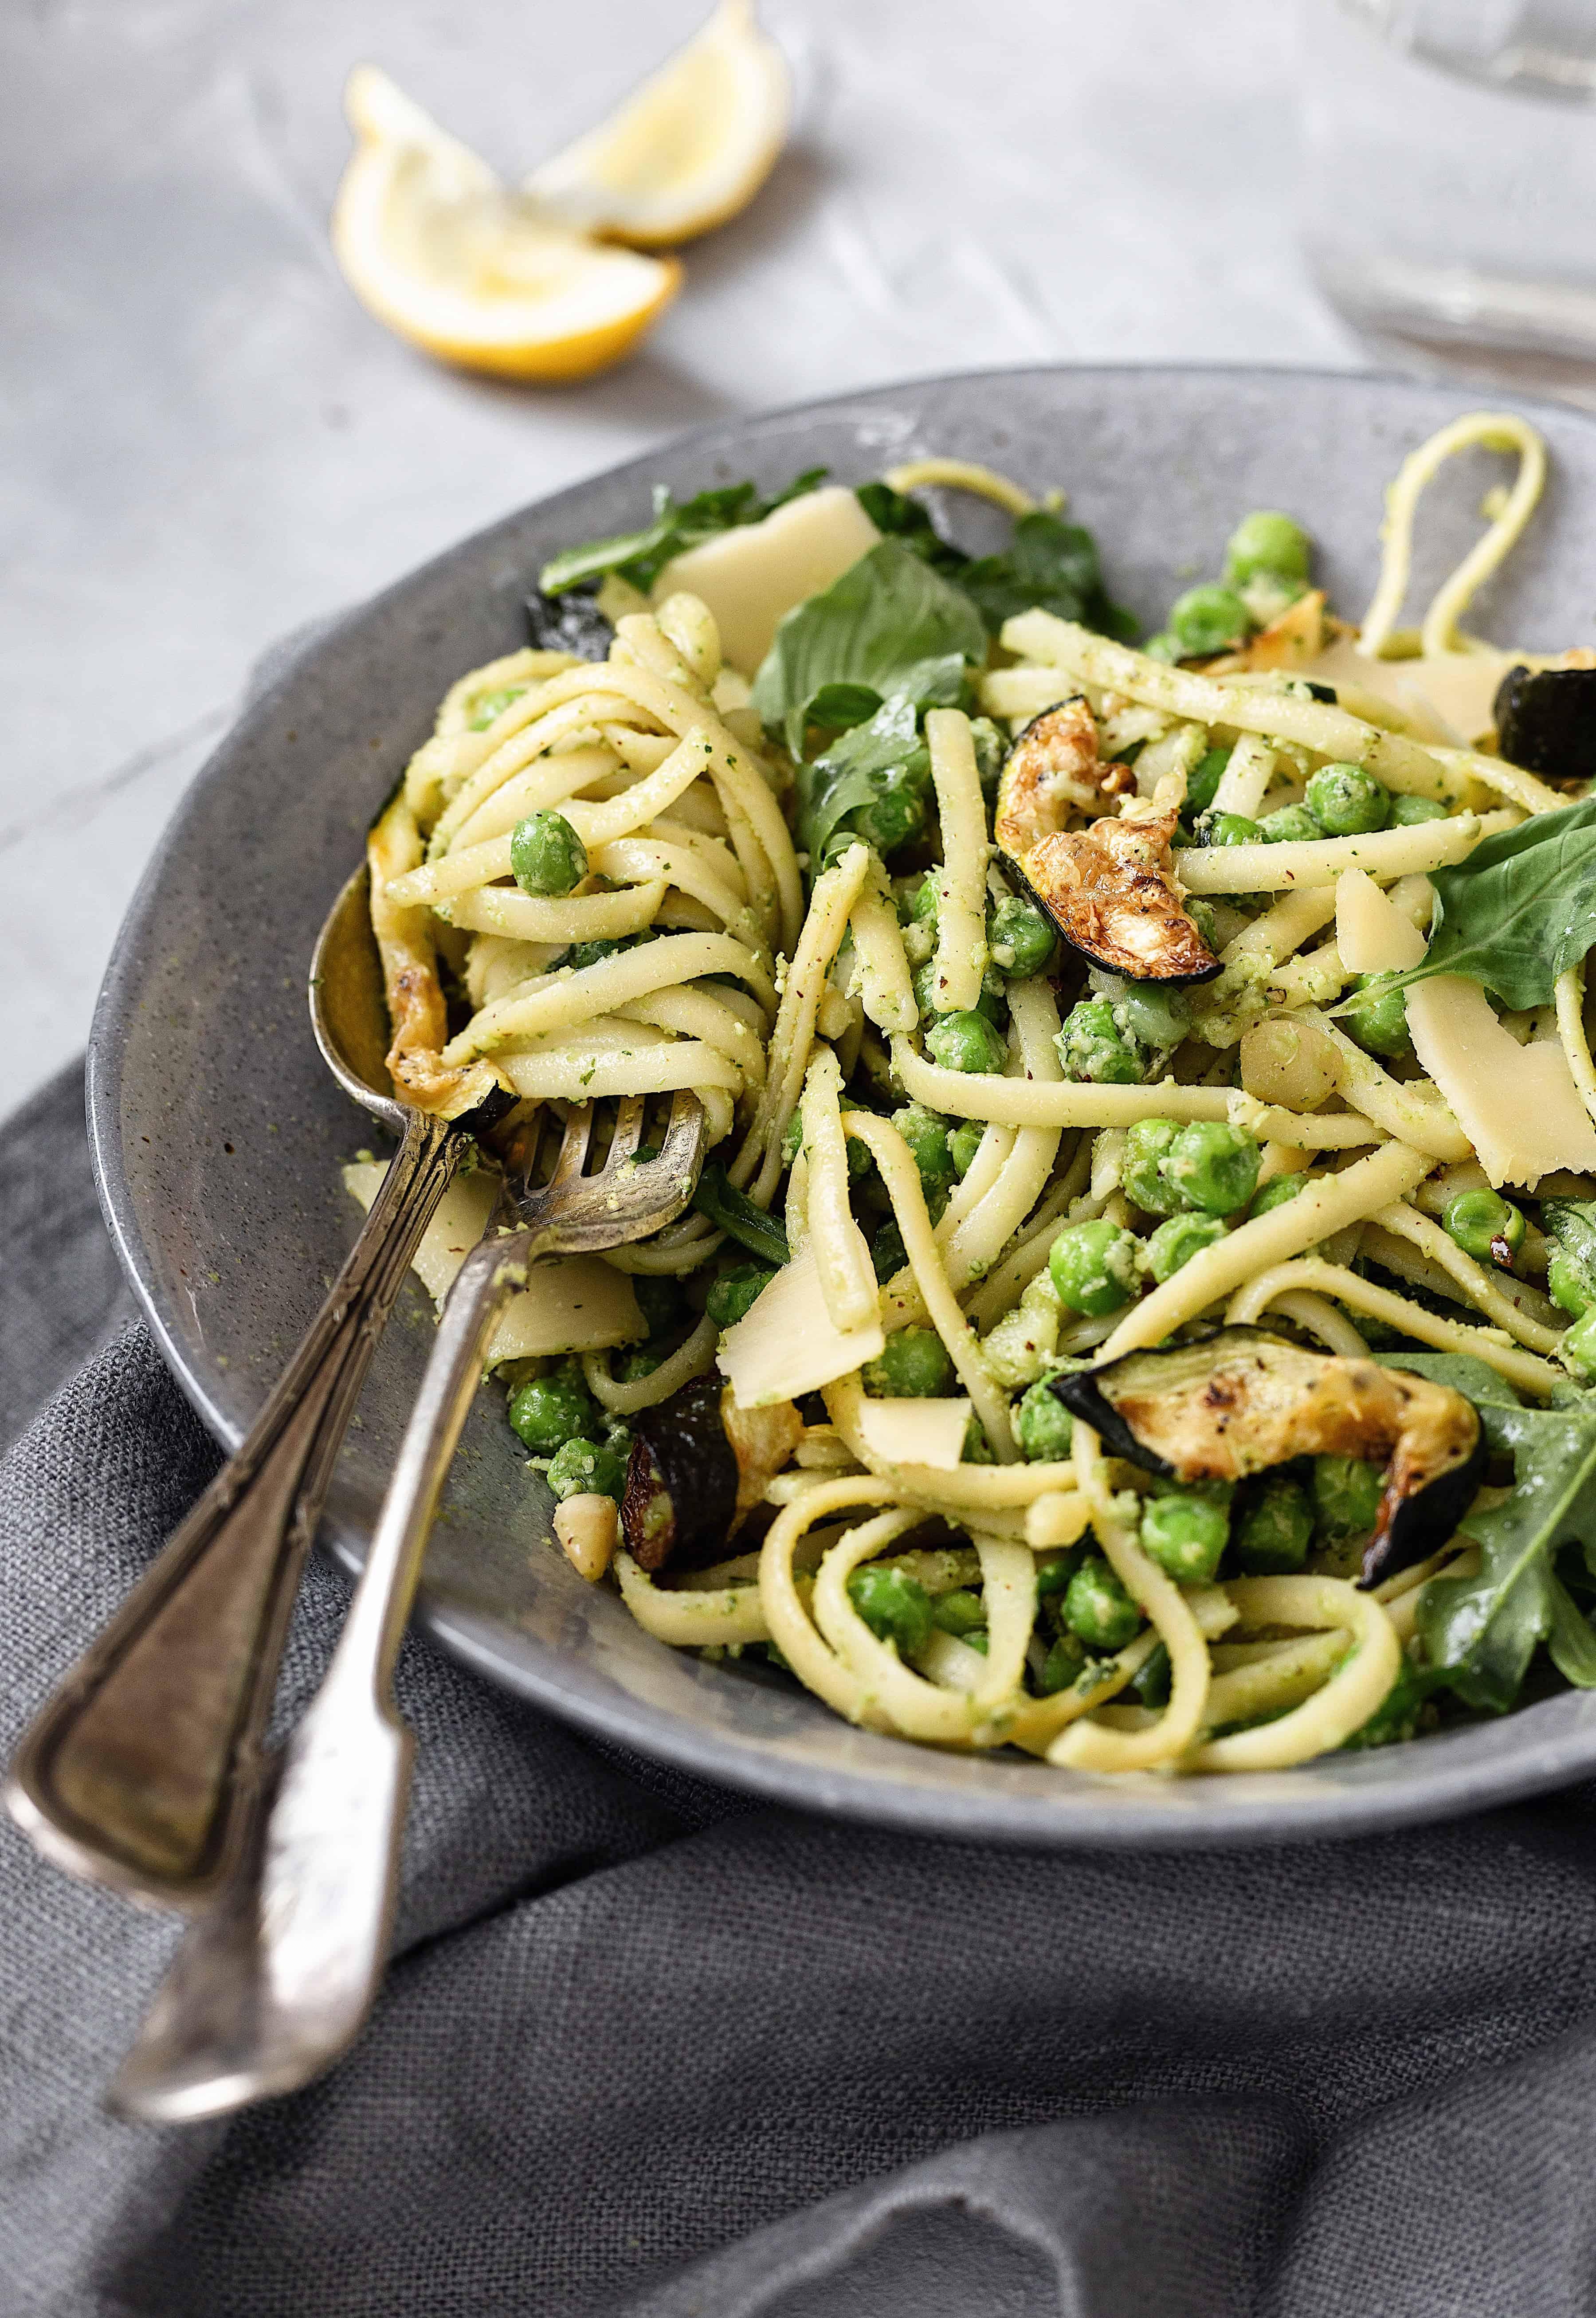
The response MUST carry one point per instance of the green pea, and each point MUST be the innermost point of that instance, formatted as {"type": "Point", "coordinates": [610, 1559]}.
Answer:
{"type": "Point", "coordinates": [588, 1467]}
{"type": "Point", "coordinates": [1042, 1425]}
{"type": "Point", "coordinates": [1377, 1019]}
{"type": "Point", "coordinates": [554, 1408]}
{"type": "Point", "coordinates": [895, 1607]}
{"type": "Point", "coordinates": [1150, 1685]}
{"type": "Point", "coordinates": [1210, 619]}
{"type": "Point", "coordinates": [1020, 939]}
{"type": "Point", "coordinates": [959, 1613]}
{"type": "Point", "coordinates": [913, 1365]}
{"type": "Point", "coordinates": [639, 1363]}
{"type": "Point", "coordinates": [927, 899]}
{"type": "Point", "coordinates": [1290, 824]}
{"type": "Point", "coordinates": [1149, 1015]}
{"type": "Point", "coordinates": [989, 1003]}
{"type": "Point", "coordinates": [975, 1448]}
{"type": "Point", "coordinates": [590, 953]}
{"type": "Point", "coordinates": [1176, 1242]}
{"type": "Point", "coordinates": [734, 1292]}
{"type": "Point", "coordinates": [1486, 1227]}
{"type": "Point", "coordinates": [964, 1143]}
{"type": "Point", "coordinates": [1202, 781]}
{"type": "Point", "coordinates": [546, 855]}
{"type": "Point", "coordinates": [1568, 1284]}
{"type": "Point", "coordinates": [1265, 541]}
{"type": "Point", "coordinates": [1098, 1608]}
{"type": "Point", "coordinates": [965, 1041]}
{"type": "Point", "coordinates": [1095, 1050]}
{"type": "Point", "coordinates": [1093, 1267]}
{"type": "Point", "coordinates": [1186, 1536]}
{"type": "Point", "coordinates": [1146, 1183]}
{"type": "Point", "coordinates": [1064, 1663]}
{"type": "Point", "coordinates": [1577, 1349]}
{"type": "Point", "coordinates": [1347, 802]}
{"type": "Point", "coordinates": [1408, 811]}
{"type": "Point", "coordinates": [1054, 1571]}
{"type": "Point", "coordinates": [1274, 1528]}
{"type": "Point", "coordinates": [1347, 1493]}
{"type": "Point", "coordinates": [1278, 1191]}
{"type": "Point", "coordinates": [486, 706]}
{"type": "Point", "coordinates": [926, 1133]}
{"type": "Point", "coordinates": [1230, 829]}
{"type": "Point", "coordinates": [1213, 1167]}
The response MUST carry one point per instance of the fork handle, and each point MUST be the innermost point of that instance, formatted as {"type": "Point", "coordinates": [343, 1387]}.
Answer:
{"type": "Point", "coordinates": [275, 1981]}
{"type": "Point", "coordinates": [140, 1769]}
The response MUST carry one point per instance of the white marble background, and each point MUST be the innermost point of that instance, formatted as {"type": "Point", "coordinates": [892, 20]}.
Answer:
{"type": "Point", "coordinates": [208, 441]}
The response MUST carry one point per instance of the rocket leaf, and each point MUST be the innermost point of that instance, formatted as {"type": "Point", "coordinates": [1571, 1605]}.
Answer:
{"type": "Point", "coordinates": [1519, 910]}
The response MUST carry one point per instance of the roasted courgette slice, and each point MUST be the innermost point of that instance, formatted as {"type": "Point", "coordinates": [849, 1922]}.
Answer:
{"type": "Point", "coordinates": [1241, 1400]}
{"type": "Point", "coordinates": [699, 1465]}
{"type": "Point", "coordinates": [1546, 720]}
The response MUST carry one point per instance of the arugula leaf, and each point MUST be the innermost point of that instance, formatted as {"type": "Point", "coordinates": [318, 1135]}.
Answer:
{"type": "Point", "coordinates": [897, 517]}
{"type": "Point", "coordinates": [640, 556]}
{"type": "Point", "coordinates": [738, 1216]}
{"type": "Point", "coordinates": [1482, 1631]}
{"type": "Point", "coordinates": [876, 628]}
{"type": "Point", "coordinates": [1054, 566]}
{"type": "Point", "coordinates": [1518, 912]}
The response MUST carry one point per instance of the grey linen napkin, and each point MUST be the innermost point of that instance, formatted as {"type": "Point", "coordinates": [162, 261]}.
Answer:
{"type": "Point", "coordinates": [647, 2050]}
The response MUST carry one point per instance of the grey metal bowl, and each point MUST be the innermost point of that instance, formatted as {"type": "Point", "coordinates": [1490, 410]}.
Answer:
{"type": "Point", "coordinates": [217, 1134]}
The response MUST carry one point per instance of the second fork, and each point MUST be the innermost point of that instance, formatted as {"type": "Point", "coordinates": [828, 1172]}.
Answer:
{"type": "Point", "coordinates": [274, 1982]}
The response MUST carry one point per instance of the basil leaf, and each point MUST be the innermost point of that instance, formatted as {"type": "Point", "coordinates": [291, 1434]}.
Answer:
{"type": "Point", "coordinates": [1518, 912]}
{"type": "Point", "coordinates": [874, 777]}
{"type": "Point", "coordinates": [1051, 566]}
{"type": "Point", "coordinates": [876, 627]}
{"type": "Point", "coordinates": [1482, 1631]}
{"type": "Point", "coordinates": [640, 556]}
{"type": "Point", "coordinates": [738, 1216]}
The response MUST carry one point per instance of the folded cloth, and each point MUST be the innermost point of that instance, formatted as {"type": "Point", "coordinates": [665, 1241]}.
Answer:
{"type": "Point", "coordinates": [646, 2049]}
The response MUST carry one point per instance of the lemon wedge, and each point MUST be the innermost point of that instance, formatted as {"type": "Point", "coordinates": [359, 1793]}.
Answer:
{"type": "Point", "coordinates": [687, 150]}
{"type": "Point", "coordinates": [439, 249]}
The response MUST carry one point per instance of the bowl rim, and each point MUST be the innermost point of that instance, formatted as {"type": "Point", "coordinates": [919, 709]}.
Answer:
{"type": "Point", "coordinates": [1063, 1818]}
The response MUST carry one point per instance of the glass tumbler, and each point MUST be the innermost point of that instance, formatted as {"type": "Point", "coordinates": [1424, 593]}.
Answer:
{"type": "Point", "coordinates": [1449, 185]}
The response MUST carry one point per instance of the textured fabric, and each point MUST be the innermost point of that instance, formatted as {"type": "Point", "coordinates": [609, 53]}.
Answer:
{"type": "Point", "coordinates": [645, 2049]}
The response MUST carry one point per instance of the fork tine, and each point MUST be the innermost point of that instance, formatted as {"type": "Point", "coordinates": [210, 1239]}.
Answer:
{"type": "Point", "coordinates": [683, 1137]}
{"type": "Point", "coordinates": [629, 1130]}
{"type": "Point", "coordinates": [573, 1148]}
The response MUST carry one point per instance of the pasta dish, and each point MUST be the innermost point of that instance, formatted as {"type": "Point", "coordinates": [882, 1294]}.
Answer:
{"type": "Point", "coordinates": [1140, 1304]}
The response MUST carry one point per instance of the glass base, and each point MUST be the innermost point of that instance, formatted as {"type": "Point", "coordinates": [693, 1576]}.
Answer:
{"type": "Point", "coordinates": [1458, 305]}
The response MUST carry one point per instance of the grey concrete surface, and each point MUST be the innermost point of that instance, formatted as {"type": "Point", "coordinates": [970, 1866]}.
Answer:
{"type": "Point", "coordinates": [208, 441]}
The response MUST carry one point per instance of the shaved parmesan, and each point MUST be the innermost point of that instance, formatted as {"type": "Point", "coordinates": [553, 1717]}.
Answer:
{"type": "Point", "coordinates": [787, 1343]}
{"type": "Point", "coordinates": [1371, 933]}
{"type": "Point", "coordinates": [915, 1432]}
{"type": "Point", "coordinates": [1518, 1105]}
{"type": "Point", "coordinates": [570, 1303]}
{"type": "Point", "coordinates": [752, 575]}
{"type": "Point", "coordinates": [1457, 688]}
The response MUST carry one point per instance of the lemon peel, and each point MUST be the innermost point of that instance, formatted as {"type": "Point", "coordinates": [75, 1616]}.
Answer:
{"type": "Point", "coordinates": [439, 249]}
{"type": "Point", "coordinates": [687, 150]}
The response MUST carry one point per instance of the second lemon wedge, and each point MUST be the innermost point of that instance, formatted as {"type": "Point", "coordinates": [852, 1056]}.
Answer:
{"type": "Point", "coordinates": [439, 249]}
{"type": "Point", "coordinates": [687, 150]}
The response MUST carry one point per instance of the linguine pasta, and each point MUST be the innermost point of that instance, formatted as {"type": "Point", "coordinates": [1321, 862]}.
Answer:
{"type": "Point", "coordinates": [906, 1124]}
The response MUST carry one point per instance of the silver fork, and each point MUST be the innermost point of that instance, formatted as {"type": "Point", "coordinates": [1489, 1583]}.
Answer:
{"type": "Point", "coordinates": [276, 1980]}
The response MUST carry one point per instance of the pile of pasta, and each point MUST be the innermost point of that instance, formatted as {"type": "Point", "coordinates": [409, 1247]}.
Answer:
{"type": "Point", "coordinates": [773, 1006]}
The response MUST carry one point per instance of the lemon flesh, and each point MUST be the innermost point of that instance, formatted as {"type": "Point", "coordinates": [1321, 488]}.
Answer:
{"type": "Point", "coordinates": [687, 150]}
{"type": "Point", "coordinates": [436, 248]}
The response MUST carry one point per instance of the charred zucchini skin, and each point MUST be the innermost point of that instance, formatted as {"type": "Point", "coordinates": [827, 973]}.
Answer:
{"type": "Point", "coordinates": [1015, 871]}
{"type": "Point", "coordinates": [1546, 720]}
{"type": "Point", "coordinates": [1410, 1526]}
{"type": "Point", "coordinates": [1415, 1526]}
{"type": "Point", "coordinates": [681, 1481]}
